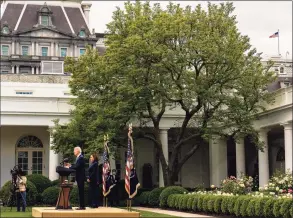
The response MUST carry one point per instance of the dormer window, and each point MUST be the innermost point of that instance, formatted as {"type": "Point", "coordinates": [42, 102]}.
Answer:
{"type": "Point", "coordinates": [82, 33]}
{"type": "Point", "coordinates": [45, 16]}
{"type": "Point", "coordinates": [5, 28]}
{"type": "Point", "coordinates": [45, 20]}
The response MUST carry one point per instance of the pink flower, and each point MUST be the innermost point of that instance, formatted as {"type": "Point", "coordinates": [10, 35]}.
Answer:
{"type": "Point", "coordinates": [290, 191]}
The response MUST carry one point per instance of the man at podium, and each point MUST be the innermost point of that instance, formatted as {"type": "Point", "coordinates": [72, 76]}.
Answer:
{"type": "Point", "coordinates": [79, 175]}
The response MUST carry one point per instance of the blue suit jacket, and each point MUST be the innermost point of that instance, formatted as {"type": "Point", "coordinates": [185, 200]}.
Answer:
{"type": "Point", "coordinates": [94, 173]}
{"type": "Point", "coordinates": [79, 169]}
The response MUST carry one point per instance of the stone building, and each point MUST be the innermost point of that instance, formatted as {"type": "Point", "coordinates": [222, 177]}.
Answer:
{"type": "Point", "coordinates": [35, 38]}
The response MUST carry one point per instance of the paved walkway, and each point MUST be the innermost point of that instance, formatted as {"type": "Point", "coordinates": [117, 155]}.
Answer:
{"type": "Point", "coordinates": [170, 212]}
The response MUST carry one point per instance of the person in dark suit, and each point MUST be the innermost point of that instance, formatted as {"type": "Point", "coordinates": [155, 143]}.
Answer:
{"type": "Point", "coordinates": [79, 175]}
{"type": "Point", "coordinates": [93, 180]}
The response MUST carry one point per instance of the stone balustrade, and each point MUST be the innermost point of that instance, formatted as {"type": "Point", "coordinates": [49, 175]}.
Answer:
{"type": "Point", "coordinates": [29, 78]}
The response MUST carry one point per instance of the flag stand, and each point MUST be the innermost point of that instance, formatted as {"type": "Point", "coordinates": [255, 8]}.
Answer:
{"type": "Point", "coordinates": [128, 202]}
{"type": "Point", "coordinates": [105, 202]}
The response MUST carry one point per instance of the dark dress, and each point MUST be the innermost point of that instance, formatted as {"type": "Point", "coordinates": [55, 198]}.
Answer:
{"type": "Point", "coordinates": [80, 178]}
{"type": "Point", "coordinates": [134, 183]}
{"type": "Point", "coordinates": [93, 185]}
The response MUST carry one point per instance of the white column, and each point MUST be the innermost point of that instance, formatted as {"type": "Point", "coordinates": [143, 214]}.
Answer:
{"type": "Point", "coordinates": [13, 48]}
{"type": "Point", "coordinates": [263, 159]}
{"type": "Point", "coordinates": [164, 141]}
{"type": "Point", "coordinates": [12, 69]}
{"type": "Point", "coordinates": [33, 70]}
{"type": "Point", "coordinates": [94, 46]}
{"type": "Point", "coordinates": [37, 69]}
{"type": "Point", "coordinates": [17, 48]}
{"type": "Point", "coordinates": [53, 163]}
{"type": "Point", "coordinates": [52, 49]}
{"type": "Point", "coordinates": [288, 146]}
{"type": "Point", "coordinates": [33, 48]}
{"type": "Point", "coordinates": [75, 51]}
{"type": "Point", "coordinates": [17, 69]}
{"type": "Point", "coordinates": [37, 49]}
{"type": "Point", "coordinates": [240, 157]}
{"type": "Point", "coordinates": [217, 160]}
{"type": "Point", "coordinates": [56, 50]}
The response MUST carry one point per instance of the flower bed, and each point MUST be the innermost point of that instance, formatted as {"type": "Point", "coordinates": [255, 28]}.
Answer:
{"type": "Point", "coordinates": [279, 185]}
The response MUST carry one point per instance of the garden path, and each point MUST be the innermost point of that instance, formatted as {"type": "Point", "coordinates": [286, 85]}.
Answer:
{"type": "Point", "coordinates": [170, 212]}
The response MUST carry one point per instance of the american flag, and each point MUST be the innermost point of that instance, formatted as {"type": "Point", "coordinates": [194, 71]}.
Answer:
{"type": "Point", "coordinates": [129, 162]}
{"type": "Point", "coordinates": [106, 167]}
{"type": "Point", "coordinates": [275, 35]}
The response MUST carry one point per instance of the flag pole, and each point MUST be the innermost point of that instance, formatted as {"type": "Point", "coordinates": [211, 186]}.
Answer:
{"type": "Point", "coordinates": [278, 42]}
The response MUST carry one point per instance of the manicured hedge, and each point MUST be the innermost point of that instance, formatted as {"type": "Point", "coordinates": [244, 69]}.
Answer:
{"type": "Point", "coordinates": [169, 191]}
{"type": "Point", "coordinates": [240, 206]}
{"type": "Point", "coordinates": [41, 182]}
{"type": "Point", "coordinates": [142, 199]}
{"type": "Point", "coordinates": [154, 197]}
{"type": "Point", "coordinates": [50, 195]}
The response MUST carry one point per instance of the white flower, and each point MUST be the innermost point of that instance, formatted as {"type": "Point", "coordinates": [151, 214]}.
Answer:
{"type": "Point", "coordinates": [277, 188]}
{"type": "Point", "coordinates": [212, 186]}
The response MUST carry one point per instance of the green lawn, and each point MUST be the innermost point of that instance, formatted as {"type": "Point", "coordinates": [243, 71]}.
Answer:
{"type": "Point", "coordinates": [13, 213]}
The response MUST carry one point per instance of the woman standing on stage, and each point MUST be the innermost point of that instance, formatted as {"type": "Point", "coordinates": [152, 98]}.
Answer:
{"type": "Point", "coordinates": [93, 180]}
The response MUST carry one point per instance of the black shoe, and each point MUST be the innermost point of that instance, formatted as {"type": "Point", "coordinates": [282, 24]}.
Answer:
{"type": "Point", "coordinates": [81, 208]}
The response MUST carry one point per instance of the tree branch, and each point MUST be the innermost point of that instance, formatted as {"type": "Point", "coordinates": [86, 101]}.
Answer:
{"type": "Point", "coordinates": [187, 156]}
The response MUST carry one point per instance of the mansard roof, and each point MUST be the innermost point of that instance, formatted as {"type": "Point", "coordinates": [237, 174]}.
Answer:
{"type": "Point", "coordinates": [24, 17]}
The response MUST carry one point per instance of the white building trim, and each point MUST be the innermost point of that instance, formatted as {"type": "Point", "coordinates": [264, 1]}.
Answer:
{"type": "Point", "coordinates": [85, 20]}
{"type": "Point", "coordinates": [68, 21]}
{"type": "Point", "coordinates": [20, 16]}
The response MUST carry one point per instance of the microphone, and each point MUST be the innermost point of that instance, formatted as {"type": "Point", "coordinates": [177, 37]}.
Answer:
{"type": "Point", "coordinates": [65, 160]}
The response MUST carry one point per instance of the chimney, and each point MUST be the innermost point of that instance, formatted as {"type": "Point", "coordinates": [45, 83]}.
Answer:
{"type": "Point", "coordinates": [86, 7]}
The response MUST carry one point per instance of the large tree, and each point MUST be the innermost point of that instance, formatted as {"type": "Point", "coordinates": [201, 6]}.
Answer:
{"type": "Point", "coordinates": [194, 61]}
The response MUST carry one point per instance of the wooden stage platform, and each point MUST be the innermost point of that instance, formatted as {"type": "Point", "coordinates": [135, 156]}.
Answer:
{"type": "Point", "coordinates": [89, 212]}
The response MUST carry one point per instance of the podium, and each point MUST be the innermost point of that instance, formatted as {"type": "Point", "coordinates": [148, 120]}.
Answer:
{"type": "Point", "coordinates": [65, 188]}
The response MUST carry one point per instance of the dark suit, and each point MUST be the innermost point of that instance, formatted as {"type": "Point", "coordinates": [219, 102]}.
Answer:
{"type": "Point", "coordinates": [93, 184]}
{"type": "Point", "coordinates": [80, 178]}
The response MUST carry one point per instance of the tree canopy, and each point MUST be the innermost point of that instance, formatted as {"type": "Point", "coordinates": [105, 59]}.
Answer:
{"type": "Point", "coordinates": [157, 60]}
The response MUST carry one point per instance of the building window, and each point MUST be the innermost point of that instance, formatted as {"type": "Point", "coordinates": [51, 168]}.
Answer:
{"type": "Point", "coordinates": [4, 50]}
{"type": "Point", "coordinates": [5, 30]}
{"type": "Point", "coordinates": [45, 51]}
{"type": "Point", "coordinates": [52, 67]}
{"type": "Point", "coordinates": [286, 84]}
{"type": "Point", "coordinates": [82, 33]}
{"type": "Point", "coordinates": [23, 92]}
{"type": "Point", "coordinates": [24, 50]}
{"type": "Point", "coordinates": [4, 72]}
{"type": "Point", "coordinates": [82, 51]}
{"type": "Point", "coordinates": [63, 52]}
{"type": "Point", "coordinates": [45, 20]}
{"type": "Point", "coordinates": [281, 69]}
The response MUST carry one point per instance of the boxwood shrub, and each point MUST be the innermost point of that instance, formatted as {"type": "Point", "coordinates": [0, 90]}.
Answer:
{"type": "Point", "coordinates": [238, 203]}
{"type": "Point", "coordinates": [167, 192]}
{"type": "Point", "coordinates": [50, 195]}
{"type": "Point", "coordinates": [55, 182]}
{"type": "Point", "coordinates": [41, 182]}
{"type": "Point", "coordinates": [142, 199]}
{"type": "Point", "coordinates": [238, 206]}
{"type": "Point", "coordinates": [286, 207]}
{"type": "Point", "coordinates": [154, 197]}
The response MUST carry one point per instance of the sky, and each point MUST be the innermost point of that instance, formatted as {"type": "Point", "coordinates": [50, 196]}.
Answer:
{"type": "Point", "coordinates": [257, 19]}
